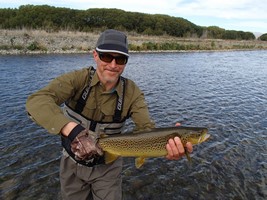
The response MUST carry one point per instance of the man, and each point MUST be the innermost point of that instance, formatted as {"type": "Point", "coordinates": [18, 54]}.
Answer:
{"type": "Point", "coordinates": [100, 101]}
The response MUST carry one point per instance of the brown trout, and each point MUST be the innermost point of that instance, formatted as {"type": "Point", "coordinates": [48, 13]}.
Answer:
{"type": "Point", "coordinates": [150, 143]}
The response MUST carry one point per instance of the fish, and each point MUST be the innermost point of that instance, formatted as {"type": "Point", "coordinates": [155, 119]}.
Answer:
{"type": "Point", "coordinates": [148, 143]}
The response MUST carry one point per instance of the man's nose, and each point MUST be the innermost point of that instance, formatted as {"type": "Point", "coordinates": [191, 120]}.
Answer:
{"type": "Point", "coordinates": [113, 63]}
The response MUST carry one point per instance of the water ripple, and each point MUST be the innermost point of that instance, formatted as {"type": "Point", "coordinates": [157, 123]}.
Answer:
{"type": "Point", "coordinates": [224, 91]}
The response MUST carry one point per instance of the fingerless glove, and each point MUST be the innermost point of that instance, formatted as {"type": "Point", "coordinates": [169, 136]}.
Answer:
{"type": "Point", "coordinates": [84, 143]}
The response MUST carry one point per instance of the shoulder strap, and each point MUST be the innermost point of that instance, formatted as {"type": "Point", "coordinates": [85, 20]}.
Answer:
{"type": "Point", "coordinates": [85, 93]}
{"type": "Point", "coordinates": [120, 101]}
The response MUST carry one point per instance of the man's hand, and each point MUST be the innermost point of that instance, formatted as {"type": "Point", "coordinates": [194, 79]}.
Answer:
{"type": "Point", "coordinates": [175, 148]}
{"type": "Point", "coordinates": [83, 142]}
{"type": "Point", "coordinates": [85, 146]}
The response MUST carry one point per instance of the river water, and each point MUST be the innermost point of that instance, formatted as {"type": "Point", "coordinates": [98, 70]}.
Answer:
{"type": "Point", "coordinates": [224, 91]}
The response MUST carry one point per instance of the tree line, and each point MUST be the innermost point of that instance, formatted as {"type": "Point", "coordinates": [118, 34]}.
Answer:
{"type": "Point", "coordinates": [263, 37]}
{"type": "Point", "coordinates": [52, 19]}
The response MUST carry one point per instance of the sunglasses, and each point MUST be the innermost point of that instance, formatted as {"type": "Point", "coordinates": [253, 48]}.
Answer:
{"type": "Point", "coordinates": [120, 60]}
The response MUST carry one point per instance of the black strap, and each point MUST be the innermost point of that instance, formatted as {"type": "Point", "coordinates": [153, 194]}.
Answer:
{"type": "Point", "coordinates": [85, 94]}
{"type": "Point", "coordinates": [75, 131]}
{"type": "Point", "coordinates": [93, 125]}
{"type": "Point", "coordinates": [120, 101]}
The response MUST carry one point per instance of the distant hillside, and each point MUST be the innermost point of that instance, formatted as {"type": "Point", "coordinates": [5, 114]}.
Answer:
{"type": "Point", "coordinates": [53, 19]}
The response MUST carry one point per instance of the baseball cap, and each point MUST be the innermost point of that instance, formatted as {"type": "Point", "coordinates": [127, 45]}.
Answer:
{"type": "Point", "coordinates": [112, 41]}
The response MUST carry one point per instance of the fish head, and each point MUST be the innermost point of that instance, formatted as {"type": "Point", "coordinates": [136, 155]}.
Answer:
{"type": "Point", "coordinates": [196, 136]}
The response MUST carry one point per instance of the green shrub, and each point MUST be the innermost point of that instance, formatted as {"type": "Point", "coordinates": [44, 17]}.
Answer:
{"type": "Point", "coordinates": [35, 46]}
{"type": "Point", "coordinates": [263, 37]}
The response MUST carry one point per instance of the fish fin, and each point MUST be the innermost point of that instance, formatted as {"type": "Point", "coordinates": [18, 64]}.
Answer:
{"type": "Point", "coordinates": [103, 135]}
{"type": "Point", "coordinates": [109, 157]}
{"type": "Point", "coordinates": [139, 161]}
{"type": "Point", "coordinates": [188, 155]}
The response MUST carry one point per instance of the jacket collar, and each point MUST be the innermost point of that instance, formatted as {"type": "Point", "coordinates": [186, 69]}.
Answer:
{"type": "Point", "coordinates": [118, 88]}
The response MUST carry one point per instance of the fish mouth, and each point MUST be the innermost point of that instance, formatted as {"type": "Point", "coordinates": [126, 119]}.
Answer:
{"type": "Point", "coordinates": [207, 136]}
{"type": "Point", "coordinates": [203, 138]}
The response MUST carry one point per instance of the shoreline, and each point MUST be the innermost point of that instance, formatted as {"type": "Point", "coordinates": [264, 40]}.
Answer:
{"type": "Point", "coordinates": [9, 53]}
{"type": "Point", "coordinates": [23, 42]}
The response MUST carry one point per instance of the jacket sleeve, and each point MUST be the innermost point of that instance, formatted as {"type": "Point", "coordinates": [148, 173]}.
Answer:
{"type": "Point", "coordinates": [139, 111]}
{"type": "Point", "coordinates": [44, 105]}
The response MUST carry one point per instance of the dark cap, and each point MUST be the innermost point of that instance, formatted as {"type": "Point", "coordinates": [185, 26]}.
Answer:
{"type": "Point", "coordinates": [112, 41]}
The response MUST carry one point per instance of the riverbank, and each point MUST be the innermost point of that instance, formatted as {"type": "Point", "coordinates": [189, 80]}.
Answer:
{"type": "Point", "coordinates": [40, 41]}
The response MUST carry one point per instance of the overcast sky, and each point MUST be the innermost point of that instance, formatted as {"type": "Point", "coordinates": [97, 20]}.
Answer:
{"type": "Point", "coordinates": [244, 15]}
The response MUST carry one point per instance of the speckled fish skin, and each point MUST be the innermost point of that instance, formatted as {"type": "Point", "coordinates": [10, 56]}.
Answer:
{"type": "Point", "coordinates": [150, 143]}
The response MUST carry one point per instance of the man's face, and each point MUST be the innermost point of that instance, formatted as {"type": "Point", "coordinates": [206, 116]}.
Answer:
{"type": "Point", "coordinates": [108, 69]}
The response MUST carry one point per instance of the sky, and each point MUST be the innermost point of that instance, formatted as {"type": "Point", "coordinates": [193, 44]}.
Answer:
{"type": "Point", "coordinates": [239, 15]}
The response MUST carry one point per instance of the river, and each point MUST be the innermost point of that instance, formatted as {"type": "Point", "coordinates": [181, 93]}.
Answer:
{"type": "Point", "coordinates": [223, 91]}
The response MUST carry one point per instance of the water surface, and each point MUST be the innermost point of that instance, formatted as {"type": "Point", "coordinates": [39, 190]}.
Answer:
{"type": "Point", "coordinates": [224, 91]}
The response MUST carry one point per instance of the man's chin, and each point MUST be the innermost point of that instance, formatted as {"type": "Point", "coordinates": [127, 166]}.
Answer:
{"type": "Point", "coordinates": [111, 79]}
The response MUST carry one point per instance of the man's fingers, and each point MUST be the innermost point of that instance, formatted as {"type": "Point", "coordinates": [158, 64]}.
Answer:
{"type": "Point", "coordinates": [179, 146]}
{"type": "Point", "coordinates": [178, 124]}
{"type": "Point", "coordinates": [189, 147]}
{"type": "Point", "coordinates": [175, 149]}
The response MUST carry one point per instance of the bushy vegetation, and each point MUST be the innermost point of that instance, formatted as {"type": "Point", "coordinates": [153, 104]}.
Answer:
{"type": "Point", "coordinates": [263, 37]}
{"type": "Point", "coordinates": [54, 19]}
{"type": "Point", "coordinates": [219, 33]}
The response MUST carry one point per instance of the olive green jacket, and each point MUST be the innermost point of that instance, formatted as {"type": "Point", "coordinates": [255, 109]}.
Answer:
{"type": "Point", "coordinates": [44, 105]}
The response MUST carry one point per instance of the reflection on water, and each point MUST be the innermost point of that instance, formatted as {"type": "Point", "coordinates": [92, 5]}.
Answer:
{"type": "Point", "coordinates": [224, 91]}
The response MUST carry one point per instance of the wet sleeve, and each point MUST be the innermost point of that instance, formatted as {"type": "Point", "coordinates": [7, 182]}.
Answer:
{"type": "Point", "coordinates": [44, 105]}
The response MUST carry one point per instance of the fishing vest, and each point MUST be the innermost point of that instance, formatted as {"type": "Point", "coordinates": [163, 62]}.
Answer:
{"type": "Point", "coordinates": [108, 128]}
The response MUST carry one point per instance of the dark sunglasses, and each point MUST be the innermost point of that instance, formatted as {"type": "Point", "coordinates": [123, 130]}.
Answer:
{"type": "Point", "coordinates": [106, 57]}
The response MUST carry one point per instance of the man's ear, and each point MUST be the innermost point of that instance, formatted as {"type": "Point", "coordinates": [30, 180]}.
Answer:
{"type": "Point", "coordinates": [95, 54]}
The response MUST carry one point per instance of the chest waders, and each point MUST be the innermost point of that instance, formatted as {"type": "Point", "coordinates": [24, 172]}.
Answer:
{"type": "Point", "coordinates": [114, 127]}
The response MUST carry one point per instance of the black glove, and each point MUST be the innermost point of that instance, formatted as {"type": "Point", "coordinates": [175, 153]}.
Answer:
{"type": "Point", "coordinates": [84, 144]}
